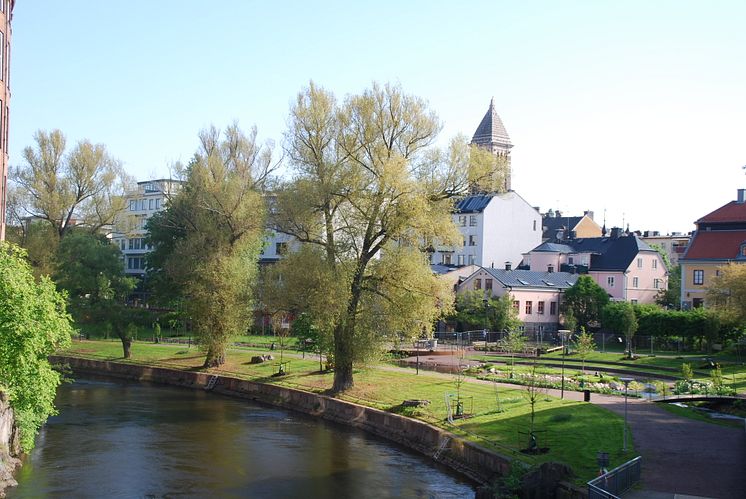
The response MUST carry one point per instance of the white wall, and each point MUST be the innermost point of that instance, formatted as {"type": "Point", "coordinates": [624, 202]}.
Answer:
{"type": "Point", "coordinates": [510, 228]}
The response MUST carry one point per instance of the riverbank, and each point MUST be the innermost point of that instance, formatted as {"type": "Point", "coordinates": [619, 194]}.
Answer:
{"type": "Point", "coordinates": [463, 456]}
{"type": "Point", "coordinates": [9, 445]}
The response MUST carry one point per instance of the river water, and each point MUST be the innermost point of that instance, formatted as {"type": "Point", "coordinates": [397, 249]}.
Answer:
{"type": "Point", "coordinates": [116, 439]}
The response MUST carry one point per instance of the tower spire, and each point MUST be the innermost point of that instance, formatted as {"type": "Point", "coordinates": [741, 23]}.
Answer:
{"type": "Point", "coordinates": [491, 135]}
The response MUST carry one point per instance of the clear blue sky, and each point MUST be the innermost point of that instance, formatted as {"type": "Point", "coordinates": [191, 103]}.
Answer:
{"type": "Point", "coordinates": [637, 107]}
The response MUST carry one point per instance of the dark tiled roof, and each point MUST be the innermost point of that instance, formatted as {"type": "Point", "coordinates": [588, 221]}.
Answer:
{"type": "Point", "coordinates": [533, 279]}
{"type": "Point", "coordinates": [441, 269]}
{"type": "Point", "coordinates": [731, 212]}
{"type": "Point", "coordinates": [473, 204]}
{"type": "Point", "coordinates": [607, 253]}
{"type": "Point", "coordinates": [491, 129]}
{"type": "Point", "coordinates": [716, 245]}
{"type": "Point", "coordinates": [552, 224]}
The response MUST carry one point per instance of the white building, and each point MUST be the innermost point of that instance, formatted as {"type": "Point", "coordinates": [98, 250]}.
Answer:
{"type": "Point", "coordinates": [497, 230]}
{"type": "Point", "coordinates": [129, 232]}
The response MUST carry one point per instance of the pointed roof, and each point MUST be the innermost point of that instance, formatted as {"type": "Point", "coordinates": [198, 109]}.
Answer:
{"type": "Point", "coordinates": [491, 130]}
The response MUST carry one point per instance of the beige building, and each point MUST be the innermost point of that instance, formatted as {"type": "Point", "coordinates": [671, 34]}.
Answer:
{"type": "Point", "coordinates": [720, 239]}
{"type": "Point", "coordinates": [6, 14]}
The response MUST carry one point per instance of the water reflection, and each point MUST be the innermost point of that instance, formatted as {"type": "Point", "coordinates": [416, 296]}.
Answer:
{"type": "Point", "coordinates": [115, 439]}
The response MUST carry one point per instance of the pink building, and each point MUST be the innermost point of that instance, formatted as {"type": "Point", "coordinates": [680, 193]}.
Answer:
{"type": "Point", "coordinates": [536, 295]}
{"type": "Point", "coordinates": [626, 267]}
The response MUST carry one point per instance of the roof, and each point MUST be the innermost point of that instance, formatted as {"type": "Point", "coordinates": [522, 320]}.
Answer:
{"type": "Point", "coordinates": [552, 224]}
{"type": "Point", "coordinates": [473, 204]}
{"type": "Point", "coordinates": [716, 245]}
{"type": "Point", "coordinates": [731, 212]}
{"type": "Point", "coordinates": [607, 253]}
{"type": "Point", "coordinates": [491, 129]}
{"type": "Point", "coordinates": [533, 279]}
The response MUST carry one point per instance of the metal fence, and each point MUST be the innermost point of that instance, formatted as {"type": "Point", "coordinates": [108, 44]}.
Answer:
{"type": "Point", "coordinates": [613, 484]}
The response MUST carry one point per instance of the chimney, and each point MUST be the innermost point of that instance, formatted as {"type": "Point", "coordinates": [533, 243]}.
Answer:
{"type": "Point", "coordinates": [741, 196]}
{"type": "Point", "coordinates": [573, 234]}
{"type": "Point", "coordinates": [508, 266]}
{"type": "Point", "coordinates": [557, 214]}
{"type": "Point", "coordinates": [616, 232]}
{"type": "Point", "coordinates": [589, 214]}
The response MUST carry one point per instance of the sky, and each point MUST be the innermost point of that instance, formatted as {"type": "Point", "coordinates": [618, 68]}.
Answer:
{"type": "Point", "coordinates": [634, 109]}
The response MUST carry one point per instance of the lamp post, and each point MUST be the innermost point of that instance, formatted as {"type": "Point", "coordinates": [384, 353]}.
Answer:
{"type": "Point", "coordinates": [626, 382]}
{"type": "Point", "coordinates": [486, 302]}
{"type": "Point", "coordinates": [563, 334]}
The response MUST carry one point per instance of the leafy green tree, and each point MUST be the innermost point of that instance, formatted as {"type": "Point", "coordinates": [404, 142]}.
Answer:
{"type": "Point", "coordinates": [586, 299]}
{"type": "Point", "coordinates": [311, 338]}
{"type": "Point", "coordinates": [371, 195]}
{"type": "Point", "coordinates": [671, 297]}
{"type": "Point", "coordinates": [208, 240]}
{"type": "Point", "coordinates": [620, 317]}
{"type": "Point", "coordinates": [727, 291]}
{"type": "Point", "coordinates": [33, 325]}
{"type": "Point", "coordinates": [497, 314]}
{"type": "Point", "coordinates": [514, 342]}
{"type": "Point", "coordinates": [686, 371]}
{"type": "Point", "coordinates": [584, 345]}
{"type": "Point", "coordinates": [84, 186]}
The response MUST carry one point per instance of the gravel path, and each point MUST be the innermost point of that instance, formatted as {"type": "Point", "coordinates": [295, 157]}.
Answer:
{"type": "Point", "coordinates": [680, 455]}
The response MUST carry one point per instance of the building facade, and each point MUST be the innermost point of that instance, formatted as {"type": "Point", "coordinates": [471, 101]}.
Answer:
{"type": "Point", "coordinates": [536, 296]}
{"type": "Point", "coordinates": [151, 196]}
{"type": "Point", "coordinates": [496, 230]}
{"type": "Point", "coordinates": [622, 264]}
{"type": "Point", "coordinates": [720, 238]}
{"type": "Point", "coordinates": [6, 15]}
{"type": "Point", "coordinates": [556, 226]}
{"type": "Point", "coordinates": [674, 245]}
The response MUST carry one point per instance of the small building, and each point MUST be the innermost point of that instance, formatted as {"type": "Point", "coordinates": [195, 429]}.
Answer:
{"type": "Point", "coordinates": [720, 238]}
{"type": "Point", "coordinates": [674, 245]}
{"type": "Point", "coordinates": [536, 296]}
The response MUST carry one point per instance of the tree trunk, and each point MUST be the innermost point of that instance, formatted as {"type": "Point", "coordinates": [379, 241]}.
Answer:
{"type": "Point", "coordinates": [215, 358]}
{"type": "Point", "coordinates": [342, 359]}
{"type": "Point", "coordinates": [127, 347]}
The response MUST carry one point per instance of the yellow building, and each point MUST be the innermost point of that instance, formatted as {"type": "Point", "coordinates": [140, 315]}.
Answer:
{"type": "Point", "coordinates": [720, 238]}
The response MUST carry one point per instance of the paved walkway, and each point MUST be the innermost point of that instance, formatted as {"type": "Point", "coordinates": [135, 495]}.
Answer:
{"type": "Point", "coordinates": [681, 456]}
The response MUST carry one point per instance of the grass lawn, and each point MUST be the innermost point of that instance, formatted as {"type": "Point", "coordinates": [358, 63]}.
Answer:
{"type": "Point", "coordinates": [573, 431]}
{"type": "Point", "coordinates": [692, 413]}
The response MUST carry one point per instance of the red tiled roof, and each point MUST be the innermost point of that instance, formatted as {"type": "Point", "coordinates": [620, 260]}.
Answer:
{"type": "Point", "coordinates": [716, 244]}
{"type": "Point", "coordinates": [731, 212]}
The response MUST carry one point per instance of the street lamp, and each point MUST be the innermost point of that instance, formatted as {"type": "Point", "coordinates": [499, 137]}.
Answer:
{"type": "Point", "coordinates": [563, 335]}
{"type": "Point", "coordinates": [486, 302]}
{"type": "Point", "coordinates": [626, 382]}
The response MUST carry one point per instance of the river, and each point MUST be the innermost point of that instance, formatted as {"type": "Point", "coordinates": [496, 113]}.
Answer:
{"type": "Point", "coordinates": [115, 439]}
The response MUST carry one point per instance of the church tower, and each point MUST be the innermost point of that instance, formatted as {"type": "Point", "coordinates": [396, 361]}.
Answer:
{"type": "Point", "coordinates": [492, 136]}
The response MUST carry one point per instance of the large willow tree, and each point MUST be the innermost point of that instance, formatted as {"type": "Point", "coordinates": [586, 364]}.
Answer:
{"type": "Point", "coordinates": [207, 241]}
{"type": "Point", "coordinates": [368, 197]}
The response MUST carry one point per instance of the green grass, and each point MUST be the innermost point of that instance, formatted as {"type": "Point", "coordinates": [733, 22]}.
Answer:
{"type": "Point", "coordinates": [573, 431]}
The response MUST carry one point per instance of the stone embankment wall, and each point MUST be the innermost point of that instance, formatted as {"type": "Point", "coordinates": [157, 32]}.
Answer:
{"type": "Point", "coordinates": [9, 445]}
{"type": "Point", "coordinates": [467, 458]}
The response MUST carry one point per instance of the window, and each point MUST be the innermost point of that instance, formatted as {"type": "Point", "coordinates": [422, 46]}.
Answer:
{"type": "Point", "coordinates": [534, 225]}
{"type": "Point", "coordinates": [462, 220]}
{"type": "Point", "coordinates": [540, 307]}
{"type": "Point", "coordinates": [472, 221]}
{"type": "Point", "coordinates": [610, 281]}
{"type": "Point", "coordinates": [698, 302]}
{"type": "Point", "coordinates": [2, 55]}
{"type": "Point", "coordinates": [529, 304]}
{"type": "Point", "coordinates": [446, 258]}
{"type": "Point", "coordinates": [655, 263]}
{"type": "Point", "coordinates": [460, 260]}
{"type": "Point", "coordinates": [516, 305]}
{"type": "Point", "coordinates": [158, 204]}
{"type": "Point", "coordinates": [281, 248]}
{"type": "Point", "coordinates": [553, 308]}
{"type": "Point", "coordinates": [634, 302]}
{"type": "Point", "coordinates": [488, 284]}
{"type": "Point", "coordinates": [477, 284]}
{"type": "Point", "coordinates": [743, 250]}
{"type": "Point", "coordinates": [699, 277]}
{"type": "Point", "coordinates": [570, 260]}
{"type": "Point", "coordinates": [472, 240]}
{"type": "Point", "coordinates": [133, 205]}
{"type": "Point", "coordinates": [656, 283]}
{"type": "Point", "coordinates": [636, 282]}
{"type": "Point", "coordinates": [639, 263]}
{"type": "Point", "coordinates": [142, 205]}
{"type": "Point", "coordinates": [1, 125]}
{"type": "Point", "coordinates": [150, 203]}
{"type": "Point", "coordinates": [472, 259]}
{"type": "Point", "coordinates": [135, 263]}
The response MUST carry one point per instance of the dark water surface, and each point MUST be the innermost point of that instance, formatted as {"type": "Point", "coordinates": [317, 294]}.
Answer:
{"type": "Point", "coordinates": [116, 439]}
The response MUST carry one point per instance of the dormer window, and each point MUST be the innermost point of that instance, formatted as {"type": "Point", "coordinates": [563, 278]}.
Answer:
{"type": "Point", "coordinates": [742, 251]}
